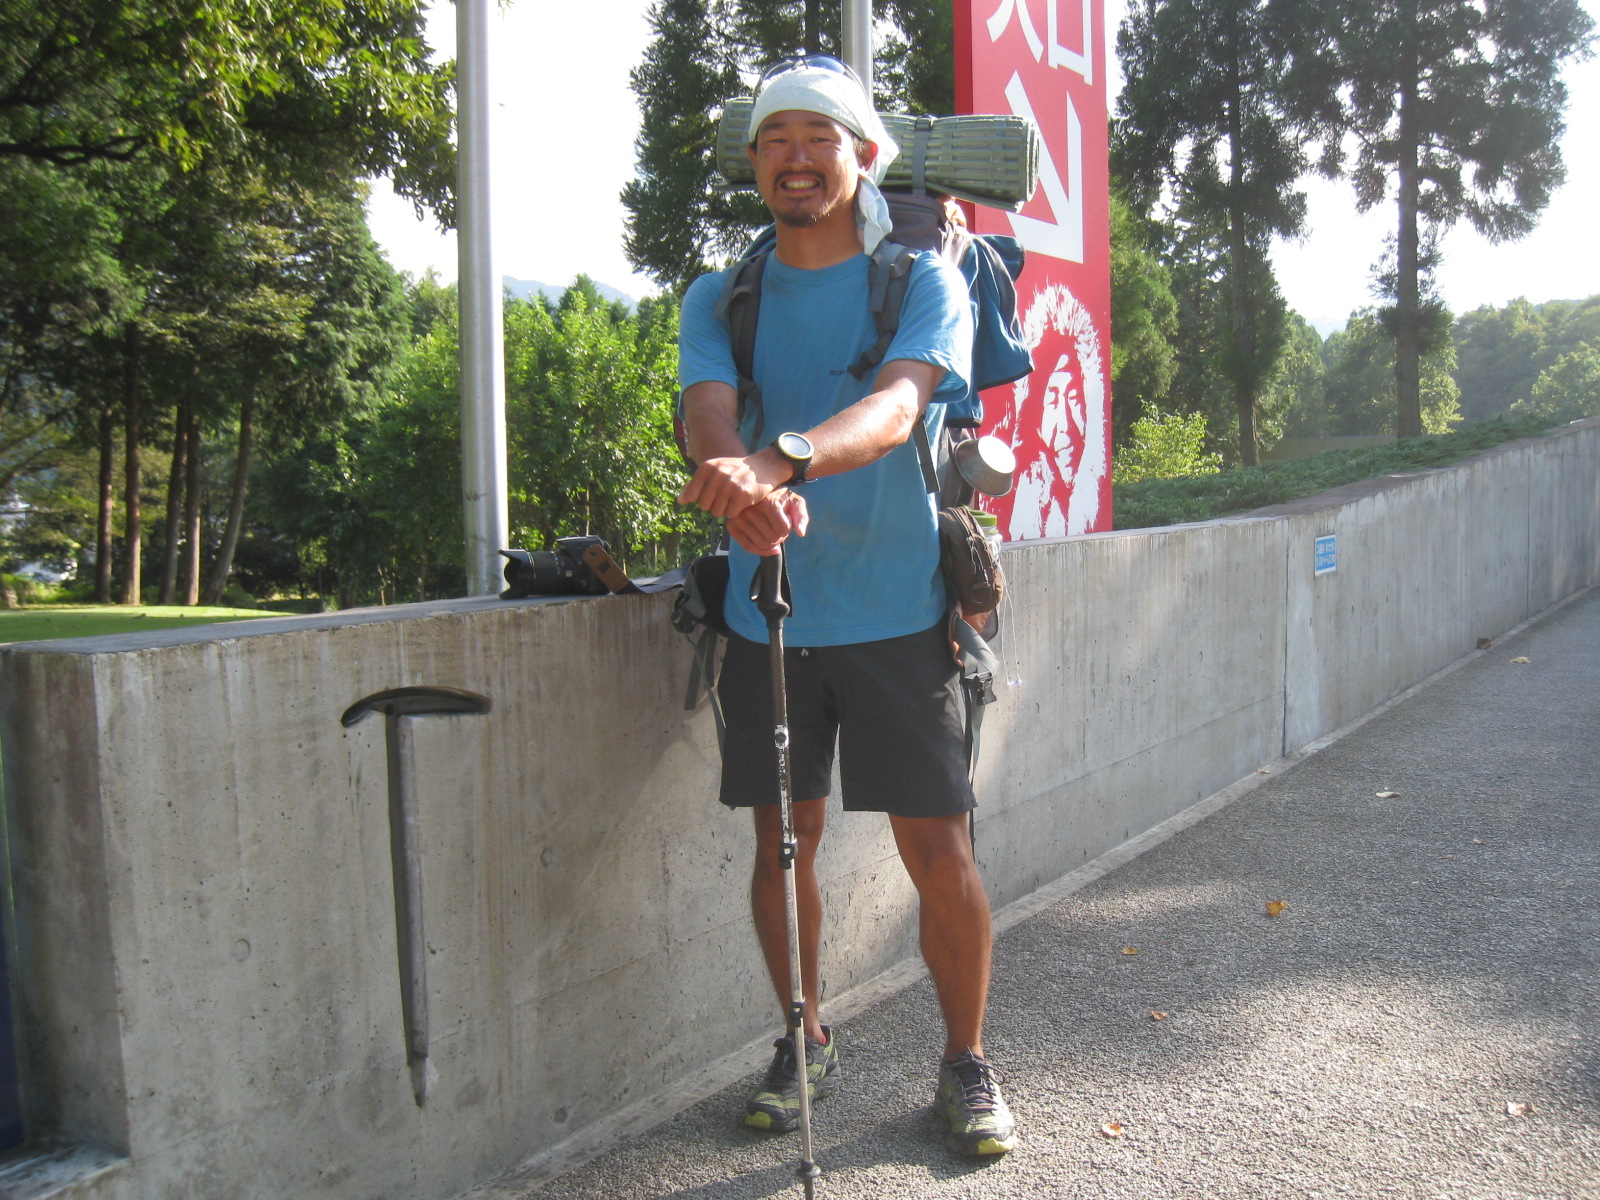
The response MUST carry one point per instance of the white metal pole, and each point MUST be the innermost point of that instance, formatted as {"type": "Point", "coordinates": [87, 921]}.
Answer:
{"type": "Point", "coordinates": [857, 39]}
{"type": "Point", "coordinates": [483, 386]}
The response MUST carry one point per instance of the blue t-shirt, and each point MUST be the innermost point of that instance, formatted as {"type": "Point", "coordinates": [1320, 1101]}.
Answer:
{"type": "Point", "coordinates": [868, 567]}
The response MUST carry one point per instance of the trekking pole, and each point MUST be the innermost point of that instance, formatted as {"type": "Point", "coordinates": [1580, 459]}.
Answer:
{"type": "Point", "coordinates": [769, 589]}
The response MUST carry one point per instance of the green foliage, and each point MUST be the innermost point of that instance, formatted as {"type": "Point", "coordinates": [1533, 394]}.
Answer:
{"type": "Point", "coordinates": [302, 84]}
{"type": "Point", "coordinates": [1165, 446]}
{"type": "Point", "coordinates": [1156, 502]}
{"type": "Point", "coordinates": [1144, 321]}
{"type": "Point", "coordinates": [589, 402]}
{"type": "Point", "coordinates": [372, 506]}
{"type": "Point", "coordinates": [1501, 352]}
{"type": "Point", "coordinates": [1568, 390]}
{"type": "Point", "coordinates": [1358, 384]}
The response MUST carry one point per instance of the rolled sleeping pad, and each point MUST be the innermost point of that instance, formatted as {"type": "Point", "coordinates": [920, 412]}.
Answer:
{"type": "Point", "coordinates": [989, 159]}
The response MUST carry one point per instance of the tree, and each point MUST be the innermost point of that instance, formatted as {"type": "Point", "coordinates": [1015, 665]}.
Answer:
{"type": "Point", "coordinates": [683, 220]}
{"type": "Point", "coordinates": [321, 323]}
{"type": "Point", "coordinates": [679, 219]}
{"type": "Point", "coordinates": [94, 80]}
{"type": "Point", "coordinates": [1502, 352]}
{"type": "Point", "coordinates": [60, 285]}
{"type": "Point", "coordinates": [1454, 104]}
{"type": "Point", "coordinates": [1144, 320]}
{"type": "Point", "coordinates": [1202, 383]}
{"type": "Point", "coordinates": [1568, 390]}
{"type": "Point", "coordinates": [1204, 113]}
{"type": "Point", "coordinates": [1499, 354]}
{"type": "Point", "coordinates": [1357, 383]}
{"type": "Point", "coordinates": [1165, 446]}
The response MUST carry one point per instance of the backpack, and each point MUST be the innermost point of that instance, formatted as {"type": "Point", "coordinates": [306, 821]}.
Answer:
{"type": "Point", "coordinates": [990, 263]}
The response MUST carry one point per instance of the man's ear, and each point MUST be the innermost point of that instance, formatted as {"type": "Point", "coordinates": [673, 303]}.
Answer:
{"type": "Point", "coordinates": [866, 153]}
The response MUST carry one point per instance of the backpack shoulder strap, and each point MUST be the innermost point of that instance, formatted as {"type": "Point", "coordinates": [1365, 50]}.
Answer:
{"type": "Point", "coordinates": [888, 277]}
{"type": "Point", "coordinates": [740, 306]}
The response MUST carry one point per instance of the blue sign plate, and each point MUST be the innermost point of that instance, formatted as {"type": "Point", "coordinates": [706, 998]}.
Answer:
{"type": "Point", "coordinates": [1326, 554]}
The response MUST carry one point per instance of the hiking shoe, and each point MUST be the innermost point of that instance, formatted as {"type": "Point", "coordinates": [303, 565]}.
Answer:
{"type": "Point", "coordinates": [776, 1103]}
{"type": "Point", "coordinates": [969, 1100]}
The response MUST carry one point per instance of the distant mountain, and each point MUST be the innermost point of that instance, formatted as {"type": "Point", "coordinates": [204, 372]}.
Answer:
{"type": "Point", "coordinates": [525, 289]}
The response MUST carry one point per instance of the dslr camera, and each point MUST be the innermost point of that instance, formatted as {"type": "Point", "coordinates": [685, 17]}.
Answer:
{"type": "Point", "coordinates": [576, 566]}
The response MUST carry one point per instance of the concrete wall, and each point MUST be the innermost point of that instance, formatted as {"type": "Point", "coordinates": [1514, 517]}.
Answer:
{"type": "Point", "coordinates": [204, 941]}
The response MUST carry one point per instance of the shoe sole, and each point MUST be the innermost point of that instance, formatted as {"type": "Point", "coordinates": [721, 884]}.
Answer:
{"type": "Point", "coordinates": [983, 1147]}
{"type": "Point", "coordinates": [762, 1119]}
{"type": "Point", "coordinates": [974, 1146]}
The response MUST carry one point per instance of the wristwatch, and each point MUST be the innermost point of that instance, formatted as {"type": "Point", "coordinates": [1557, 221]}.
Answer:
{"type": "Point", "coordinates": [796, 448]}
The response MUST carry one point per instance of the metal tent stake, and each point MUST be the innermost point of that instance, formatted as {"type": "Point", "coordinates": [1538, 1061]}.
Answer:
{"type": "Point", "coordinates": [405, 850]}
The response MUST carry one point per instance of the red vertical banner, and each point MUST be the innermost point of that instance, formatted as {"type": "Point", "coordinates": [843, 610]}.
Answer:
{"type": "Point", "coordinates": [1045, 59]}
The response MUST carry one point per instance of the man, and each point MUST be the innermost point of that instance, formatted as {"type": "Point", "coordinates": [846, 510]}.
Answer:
{"type": "Point", "coordinates": [868, 662]}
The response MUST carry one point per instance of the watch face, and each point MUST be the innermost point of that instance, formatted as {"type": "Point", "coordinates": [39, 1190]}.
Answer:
{"type": "Point", "coordinates": [795, 446]}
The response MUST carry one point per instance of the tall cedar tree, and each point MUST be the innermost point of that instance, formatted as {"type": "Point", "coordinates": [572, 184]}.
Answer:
{"type": "Point", "coordinates": [1203, 120]}
{"type": "Point", "coordinates": [1454, 104]}
{"type": "Point", "coordinates": [683, 220]}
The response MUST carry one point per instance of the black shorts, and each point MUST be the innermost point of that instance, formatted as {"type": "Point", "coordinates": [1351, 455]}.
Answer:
{"type": "Point", "coordinates": [893, 707]}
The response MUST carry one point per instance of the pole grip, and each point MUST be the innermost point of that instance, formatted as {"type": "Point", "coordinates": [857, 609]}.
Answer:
{"type": "Point", "coordinates": [770, 587]}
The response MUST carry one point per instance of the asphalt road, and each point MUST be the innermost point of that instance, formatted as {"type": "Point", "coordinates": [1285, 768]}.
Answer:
{"type": "Point", "coordinates": [1422, 1019]}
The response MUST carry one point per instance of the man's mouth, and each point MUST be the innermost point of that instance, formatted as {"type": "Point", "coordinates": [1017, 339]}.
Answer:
{"type": "Point", "coordinates": [799, 183]}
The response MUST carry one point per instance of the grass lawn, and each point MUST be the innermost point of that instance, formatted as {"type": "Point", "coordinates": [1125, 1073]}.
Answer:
{"type": "Point", "coordinates": [42, 622]}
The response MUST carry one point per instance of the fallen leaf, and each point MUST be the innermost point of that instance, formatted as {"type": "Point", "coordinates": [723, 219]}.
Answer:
{"type": "Point", "coordinates": [1520, 660]}
{"type": "Point", "coordinates": [1386, 795]}
{"type": "Point", "coordinates": [1259, 771]}
{"type": "Point", "coordinates": [1477, 841]}
{"type": "Point", "coordinates": [1112, 1129]}
{"type": "Point", "coordinates": [1516, 1108]}
{"type": "Point", "coordinates": [1275, 907]}
{"type": "Point", "coordinates": [1130, 949]}
{"type": "Point", "coordinates": [1157, 1015]}
{"type": "Point", "coordinates": [1485, 643]}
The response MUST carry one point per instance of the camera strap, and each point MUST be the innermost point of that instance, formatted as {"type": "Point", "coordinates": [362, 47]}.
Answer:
{"type": "Point", "coordinates": [606, 570]}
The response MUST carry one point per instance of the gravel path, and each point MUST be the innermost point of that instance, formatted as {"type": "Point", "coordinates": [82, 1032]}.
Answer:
{"type": "Point", "coordinates": [1422, 1019]}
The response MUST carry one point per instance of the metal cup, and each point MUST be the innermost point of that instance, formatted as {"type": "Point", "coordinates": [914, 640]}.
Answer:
{"type": "Point", "coordinates": [987, 464]}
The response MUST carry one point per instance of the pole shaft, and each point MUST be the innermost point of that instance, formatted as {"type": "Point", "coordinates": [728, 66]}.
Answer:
{"type": "Point", "coordinates": [483, 392]}
{"type": "Point", "coordinates": [770, 599]}
{"type": "Point", "coordinates": [857, 39]}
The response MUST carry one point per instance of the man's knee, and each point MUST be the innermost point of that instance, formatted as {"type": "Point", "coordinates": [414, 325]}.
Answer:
{"type": "Point", "coordinates": [935, 850]}
{"type": "Point", "coordinates": [809, 818]}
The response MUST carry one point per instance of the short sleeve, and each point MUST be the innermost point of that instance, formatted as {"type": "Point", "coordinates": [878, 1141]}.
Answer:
{"type": "Point", "coordinates": [704, 354]}
{"type": "Point", "coordinates": [936, 322]}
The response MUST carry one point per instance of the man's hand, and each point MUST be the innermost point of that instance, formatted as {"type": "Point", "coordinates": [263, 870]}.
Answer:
{"type": "Point", "coordinates": [725, 487]}
{"type": "Point", "coordinates": [763, 527]}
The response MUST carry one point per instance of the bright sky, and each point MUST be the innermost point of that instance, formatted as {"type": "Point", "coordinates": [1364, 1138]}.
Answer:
{"type": "Point", "coordinates": [563, 148]}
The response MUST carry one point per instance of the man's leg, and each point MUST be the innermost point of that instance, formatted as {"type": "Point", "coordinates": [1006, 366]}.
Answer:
{"type": "Point", "coordinates": [956, 940]}
{"type": "Point", "coordinates": [775, 1105]}
{"type": "Point", "coordinates": [768, 908]}
{"type": "Point", "coordinates": [954, 921]}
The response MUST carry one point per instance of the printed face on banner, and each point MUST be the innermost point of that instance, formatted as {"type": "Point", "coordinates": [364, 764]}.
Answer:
{"type": "Point", "coordinates": [1057, 420]}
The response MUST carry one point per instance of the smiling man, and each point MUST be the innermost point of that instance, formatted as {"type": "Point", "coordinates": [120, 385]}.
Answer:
{"type": "Point", "coordinates": [824, 464]}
